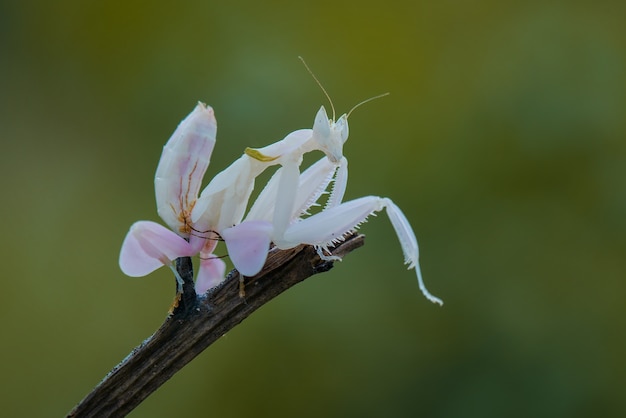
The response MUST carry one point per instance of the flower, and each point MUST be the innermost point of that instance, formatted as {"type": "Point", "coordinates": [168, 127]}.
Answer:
{"type": "Point", "coordinates": [149, 245]}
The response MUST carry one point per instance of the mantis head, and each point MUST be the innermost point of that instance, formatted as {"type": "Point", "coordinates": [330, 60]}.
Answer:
{"type": "Point", "coordinates": [330, 135]}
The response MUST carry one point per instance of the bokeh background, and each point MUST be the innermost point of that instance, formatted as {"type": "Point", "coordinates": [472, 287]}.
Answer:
{"type": "Point", "coordinates": [503, 140]}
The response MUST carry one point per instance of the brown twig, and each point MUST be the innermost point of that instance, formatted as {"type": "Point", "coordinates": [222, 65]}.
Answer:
{"type": "Point", "coordinates": [196, 322]}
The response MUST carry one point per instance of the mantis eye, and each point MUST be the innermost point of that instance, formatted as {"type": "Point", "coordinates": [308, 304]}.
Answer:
{"type": "Point", "coordinates": [321, 126]}
{"type": "Point", "coordinates": [342, 127]}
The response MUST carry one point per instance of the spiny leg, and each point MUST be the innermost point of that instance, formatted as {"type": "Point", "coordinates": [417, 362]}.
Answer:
{"type": "Point", "coordinates": [179, 280]}
{"type": "Point", "coordinates": [324, 257]}
{"type": "Point", "coordinates": [328, 227]}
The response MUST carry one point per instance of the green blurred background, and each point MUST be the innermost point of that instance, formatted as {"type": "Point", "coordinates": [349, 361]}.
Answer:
{"type": "Point", "coordinates": [503, 141]}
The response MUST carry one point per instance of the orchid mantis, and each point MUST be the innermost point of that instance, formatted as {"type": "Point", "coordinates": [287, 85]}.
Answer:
{"type": "Point", "coordinates": [279, 215]}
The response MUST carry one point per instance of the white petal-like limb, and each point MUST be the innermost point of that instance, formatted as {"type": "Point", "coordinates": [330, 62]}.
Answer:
{"type": "Point", "coordinates": [330, 226]}
{"type": "Point", "coordinates": [295, 143]}
{"type": "Point", "coordinates": [405, 233]}
{"type": "Point", "coordinates": [224, 200]}
{"type": "Point", "coordinates": [312, 184]}
{"type": "Point", "coordinates": [263, 207]}
{"type": "Point", "coordinates": [248, 244]}
{"type": "Point", "coordinates": [148, 246]}
{"type": "Point", "coordinates": [181, 168]}
{"type": "Point", "coordinates": [407, 239]}
{"type": "Point", "coordinates": [339, 186]}
{"type": "Point", "coordinates": [288, 187]}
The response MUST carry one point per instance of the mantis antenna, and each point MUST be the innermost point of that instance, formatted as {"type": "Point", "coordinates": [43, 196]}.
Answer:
{"type": "Point", "coordinates": [365, 101]}
{"type": "Point", "coordinates": [328, 96]}
{"type": "Point", "coordinates": [322, 87]}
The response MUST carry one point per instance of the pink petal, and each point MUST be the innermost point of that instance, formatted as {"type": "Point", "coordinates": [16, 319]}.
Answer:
{"type": "Point", "coordinates": [148, 246]}
{"type": "Point", "coordinates": [247, 245]}
{"type": "Point", "coordinates": [183, 162]}
{"type": "Point", "coordinates": [210, 273]}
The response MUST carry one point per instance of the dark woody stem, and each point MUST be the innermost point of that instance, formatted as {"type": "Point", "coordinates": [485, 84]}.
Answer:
{"type": "Point", "coordinates": [195, 322]}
